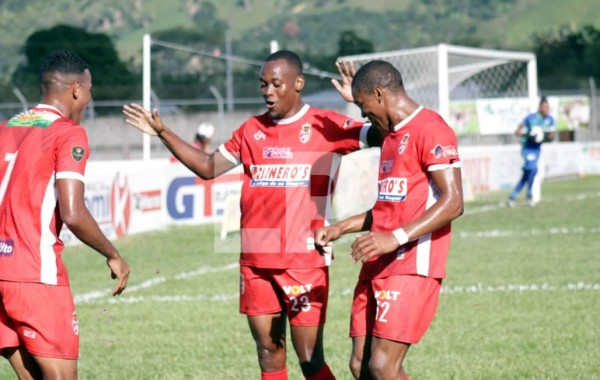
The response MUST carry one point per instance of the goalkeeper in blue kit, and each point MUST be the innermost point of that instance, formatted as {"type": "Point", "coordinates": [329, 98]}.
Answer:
{"type": "Point", "coordinates": [535, 129]}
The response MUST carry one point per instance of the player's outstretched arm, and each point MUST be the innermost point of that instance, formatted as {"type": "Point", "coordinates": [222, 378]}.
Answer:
{"type": "Point", "coordinates": [206, 166]}
{"type": "Point", "coordinates": [78, 219]}
{"type": "Point", "coordinates": [448, 207]}
{"type": "Point", "coordinates": [347, 71]}
{"type": "Point", "coordinates": [325, 235]}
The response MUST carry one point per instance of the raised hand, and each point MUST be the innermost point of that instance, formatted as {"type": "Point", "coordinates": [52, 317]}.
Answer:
{"type": "Point", "coordinates": [138, 117]}
{"type": "Point", "coordinates": [347, 71]}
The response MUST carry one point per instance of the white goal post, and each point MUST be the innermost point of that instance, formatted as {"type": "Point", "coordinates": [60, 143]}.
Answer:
{"type": "Point", "coordinates": [437, 75]}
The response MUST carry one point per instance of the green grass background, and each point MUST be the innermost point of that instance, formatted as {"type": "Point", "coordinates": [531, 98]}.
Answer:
{"type": "Point", "coordinates": [498, 332]}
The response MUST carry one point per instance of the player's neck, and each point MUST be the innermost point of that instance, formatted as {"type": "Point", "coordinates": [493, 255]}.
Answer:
{"type": "Point", "coordinates": [56, 103]}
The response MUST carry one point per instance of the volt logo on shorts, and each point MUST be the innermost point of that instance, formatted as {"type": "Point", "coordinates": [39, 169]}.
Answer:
{"type": "Point", "coordinates": [393, 189]}
{"type": "Point", "coordinates": [387, 295]}
{"type": "Point", "coordinates": [280, 175]}
{"type": "Point", "coordinates": [299, 298]}
{"type": "Point", "coordinates": [296, 290]}
{"type": "Point", "coordinates": [7, 247]}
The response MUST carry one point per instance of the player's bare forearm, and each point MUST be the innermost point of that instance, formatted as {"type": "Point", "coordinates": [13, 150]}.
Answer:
{"type": "Point", "coordinates": [356, 223]}
{"type": "Point", "coordinates": [194, 159]}
{"type": "Point", "coordinates": [80, 222]}
{"type": "Point", "coordinates": [448, 207]}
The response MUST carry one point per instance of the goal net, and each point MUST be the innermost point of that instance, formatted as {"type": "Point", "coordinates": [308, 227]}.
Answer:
{"type": "Point", "coordinates": [460, 82]}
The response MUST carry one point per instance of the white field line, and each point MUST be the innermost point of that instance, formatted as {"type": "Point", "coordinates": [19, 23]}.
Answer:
{"type": "Point", "coordinates": [347, 292]}
{"type": "Point", "coordinates": [533, 232]}
{"type": "Point", "coordinates": [567, 198]}
{"type": "Point", "coordinates": [96, 294]}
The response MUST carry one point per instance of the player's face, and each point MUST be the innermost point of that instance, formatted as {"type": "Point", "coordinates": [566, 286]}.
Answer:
{"type": "Point", "coordinates": [84, 95]}
{"type": "Point", "coordinates": [544, 108]}
{"type": "Point", "coordinates": [371, 109]}
{"type": "Point", "coordinates": [280, 86]}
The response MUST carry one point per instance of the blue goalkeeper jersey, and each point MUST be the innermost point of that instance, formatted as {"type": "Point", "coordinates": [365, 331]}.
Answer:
{"type": "Point", "coordinates": [535, 120]}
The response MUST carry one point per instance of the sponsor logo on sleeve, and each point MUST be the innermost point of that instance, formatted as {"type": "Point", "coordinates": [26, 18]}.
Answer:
{"type": "Point", "coordinates": [77, 153]}
{"type": "Point", "coordinates": [403, 143]}
{"type": "Point", "coordinates": [440, 151]}
{"type": "Point", "coordinates": [392, 189]}
{"type": "Point", "coordinates": [7, 248]}
{"type": "Point", "coordinates": [305, 132]}
{"type": "Point", "coordinates": [348, 123]}
{"type": "Point", "coordinates": [280, 175]}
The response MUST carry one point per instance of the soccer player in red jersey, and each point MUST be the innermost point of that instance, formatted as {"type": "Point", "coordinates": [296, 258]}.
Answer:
{"type": "Point", "coordinates": [290, 156]}
{"type": "Point", "coordinates": [404, 253]}
{"type": "Point", "coordinates": [43, 155]}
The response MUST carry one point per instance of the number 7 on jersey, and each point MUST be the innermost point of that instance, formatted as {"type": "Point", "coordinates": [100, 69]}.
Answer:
{"type": "Point", "coordinates": [10, 158]}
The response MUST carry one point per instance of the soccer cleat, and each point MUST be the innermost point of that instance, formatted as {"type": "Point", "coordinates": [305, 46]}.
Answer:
{"type": "Point", "coordinates": [511, 202]}
{"type": "Point", "coordinates": [531, 202]}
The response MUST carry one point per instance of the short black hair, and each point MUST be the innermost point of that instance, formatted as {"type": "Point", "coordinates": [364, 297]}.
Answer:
{"type": "Point", "coordinates": [377, 73]}
{"type": "Point", "coordinates": [543, 100]}
{"type": "Point", "coordinates": [290, 57]}
{"type": "Point", "coordinates": [63, 62]}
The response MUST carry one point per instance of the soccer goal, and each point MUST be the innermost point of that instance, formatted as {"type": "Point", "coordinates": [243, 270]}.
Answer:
{"type": "Point", "coordinates": [438, 76]}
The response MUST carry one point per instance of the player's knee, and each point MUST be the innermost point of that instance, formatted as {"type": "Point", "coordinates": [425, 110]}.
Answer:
{"type": "Point", "coordinates": [355, 366]}
{"type": "Point", "coordinates": [380, 367]}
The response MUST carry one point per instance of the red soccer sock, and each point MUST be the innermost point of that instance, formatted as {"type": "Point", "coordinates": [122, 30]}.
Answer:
{"type": "Point", "coordinates": [323, 374]}
{"type": "Point", "coordinates": [405, 378]}
{"type": "Point", "coordinates": [279, 375]}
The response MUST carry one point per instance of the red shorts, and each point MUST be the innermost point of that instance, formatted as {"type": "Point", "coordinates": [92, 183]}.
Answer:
{"type": "Point", "coordinates": [398, 308]}
{"type": "Point", "coordinates": [302, 293]}
{"type": "Point", "coordinates": [39, 317]}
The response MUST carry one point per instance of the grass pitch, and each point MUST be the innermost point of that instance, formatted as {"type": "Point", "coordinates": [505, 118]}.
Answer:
{"type": "Point", "coordinates": [521, 301]}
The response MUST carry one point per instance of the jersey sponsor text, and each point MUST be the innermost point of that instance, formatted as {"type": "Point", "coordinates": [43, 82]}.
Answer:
{"type": "Point", "coordinates": [280, 175]}
{"type": "Point", "coordinates": [393, 189]}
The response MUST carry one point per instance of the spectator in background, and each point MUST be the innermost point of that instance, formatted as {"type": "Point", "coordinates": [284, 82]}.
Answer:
{"type": "Point", "coordinates": [535, 129]}
{"type": "Point", "coordinates": [202, 139]}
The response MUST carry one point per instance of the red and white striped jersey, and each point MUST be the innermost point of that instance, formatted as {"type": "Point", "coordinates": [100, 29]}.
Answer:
{"type": "Point", "coordinates": [290, 169]}
{"type": "Point", "coordinates": [420, 144]}
{"type": "Point", "coordinates": [37, 147]}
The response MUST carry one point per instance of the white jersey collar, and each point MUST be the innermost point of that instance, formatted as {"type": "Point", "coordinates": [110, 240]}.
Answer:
{"type": "Point", "coordinates": [294, 118]}
{"type": "Point", "coordinates": [49, 107]}
{"type": "Point", "coordinates": [408, 119]}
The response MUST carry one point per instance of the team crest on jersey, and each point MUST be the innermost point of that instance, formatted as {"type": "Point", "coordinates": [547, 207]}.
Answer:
{"type": "Point", "coordinates": [260, 135]}
{"type": "Point", "coordinates": [75, 323]}
{"type": "Point", "coordinates": [305, 131]}
{"type": "Point", "coordinates": [440, 151]}
{"type": "Point", "coordinates": [403, 143]}
{"type": "Point", "coordinates": [77, 153]}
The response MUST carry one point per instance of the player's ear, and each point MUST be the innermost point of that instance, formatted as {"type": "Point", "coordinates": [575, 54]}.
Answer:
{"type": "Point", "coordinates": [75, 89]}
{"type": "Point", "coordinates": [299, 84]}
{"type": "Point", "coordinates": [378, 94]}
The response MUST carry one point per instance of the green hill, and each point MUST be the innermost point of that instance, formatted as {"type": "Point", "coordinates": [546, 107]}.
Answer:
{"type": "Point", "coordinates": [310, 26]}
